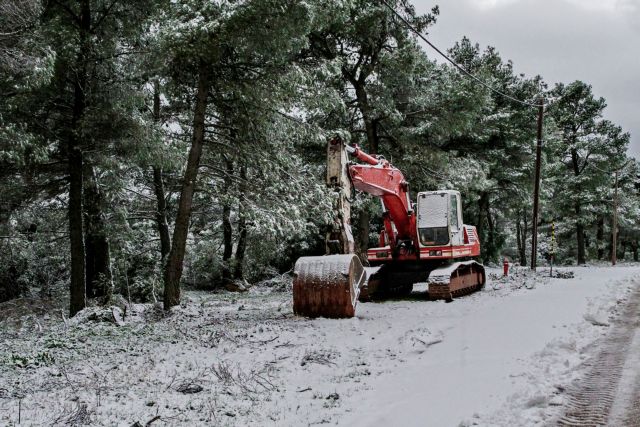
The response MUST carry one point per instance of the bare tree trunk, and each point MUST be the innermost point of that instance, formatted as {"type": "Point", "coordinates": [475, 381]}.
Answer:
{"type": "Point", "coordinates": [610, 253]}
{"type": "Point", "coordinates": [370, 123]}
{"type": "Point", "coordinates": [174, 265]}
{"type": "Point", "coordinates": [519, 237]}
{"type": "Point", "coordinates": [600, 237]}
{"type": "Point", "coordinates": [158, 187]}
{"type": "Point", "coordinates": [77, 290]}
{"type": "Point", "coordinates": [161, 214]}
{"type": "Point", "coordinates": [491, 241]}
{"type": "Point", "coordinates": [483, 207]}
{"type": "Point", "coordinates": [242, 226]}
{"type": "Point", "coordinates": [523, 246]}
{"type": "Point", "coordinates": [77, 296]}
{"type": "Point", "coordinates": [579, 226]}
{"type": "Point", "coordinates": [580, 237]}
{"type": "Point", "coordinates": [227, 229]}
{"type": "Point", "coordinates": [5, 215]}
{"type": "Point", "coordinates": [580, 241]}
{"type": "Point", "coordinates": [373, 141]}
{"type": "Point", "coordinates": [98, 254]}
{"type": "Point", "coordinates": [363, 229]}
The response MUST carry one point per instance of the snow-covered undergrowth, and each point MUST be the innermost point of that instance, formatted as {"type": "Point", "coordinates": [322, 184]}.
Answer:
{"type": "Point", "coordinates": [502, 356]}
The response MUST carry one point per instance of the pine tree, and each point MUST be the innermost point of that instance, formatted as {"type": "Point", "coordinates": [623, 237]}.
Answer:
{"type": "Point", "coordinates": [587, 149]}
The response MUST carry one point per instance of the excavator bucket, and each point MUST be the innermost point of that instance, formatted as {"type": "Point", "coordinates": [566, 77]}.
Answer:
{"type": "Point", "coordinates": [457, 279]}
{"type": "Point", "coordinates": [327, 286]}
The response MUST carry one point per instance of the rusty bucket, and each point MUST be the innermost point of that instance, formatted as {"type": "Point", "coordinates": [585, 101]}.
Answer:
{"type": "Point", "coordinates": [327, 286]}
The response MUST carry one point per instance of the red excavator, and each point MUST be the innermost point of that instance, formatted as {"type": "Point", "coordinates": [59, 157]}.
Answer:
{"type": "Point", "coordinates": [425, 241]}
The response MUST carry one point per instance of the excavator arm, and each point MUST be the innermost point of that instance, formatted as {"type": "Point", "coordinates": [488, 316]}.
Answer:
{"type": "Point", "coordinates": [329, 285]}
{"type": "Point", "coordinates": [379, 178]}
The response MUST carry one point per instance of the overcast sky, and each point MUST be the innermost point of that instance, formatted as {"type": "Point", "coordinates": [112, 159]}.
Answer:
{"type": "Point", "coordinates": [596, 41]}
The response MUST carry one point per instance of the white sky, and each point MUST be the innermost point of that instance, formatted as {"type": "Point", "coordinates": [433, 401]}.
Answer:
{"type": "Point", "coordinates": [596, 41]}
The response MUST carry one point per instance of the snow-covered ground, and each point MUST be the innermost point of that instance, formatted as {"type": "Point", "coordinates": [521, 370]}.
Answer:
{"type": "Point", "coordinates": [499, 357]}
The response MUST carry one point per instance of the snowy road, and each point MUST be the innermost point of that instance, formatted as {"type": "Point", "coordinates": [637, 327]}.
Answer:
{"type": "Point", "coordinates": [610, 391]}
{"type": "Point", "coordinates": [505, 356]}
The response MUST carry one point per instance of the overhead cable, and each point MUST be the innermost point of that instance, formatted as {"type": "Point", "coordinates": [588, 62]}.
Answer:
{"type": "Point", "coordinates": [454, 63]}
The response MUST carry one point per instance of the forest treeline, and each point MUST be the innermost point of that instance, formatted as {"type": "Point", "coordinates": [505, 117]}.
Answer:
{"type": "Point", "coordinates": [148, 144]}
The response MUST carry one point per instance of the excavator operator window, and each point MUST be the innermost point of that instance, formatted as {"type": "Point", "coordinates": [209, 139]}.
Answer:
{"type": "Point", "coordinates": [434, 236]}
{"type": "Point", "coordinates": [433, 219]}
{"type": "Point", "coordinates": [454, 213]}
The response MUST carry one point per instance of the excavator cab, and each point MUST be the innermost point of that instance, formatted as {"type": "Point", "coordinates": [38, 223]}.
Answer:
{"type": "Point", "coordinates": [439, 220]}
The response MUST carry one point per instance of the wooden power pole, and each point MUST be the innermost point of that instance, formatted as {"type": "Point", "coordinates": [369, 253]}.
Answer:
{"type": "Point", "coordinates": [536, 189]}
{"type": "Point", "coordinates": [614, 227]}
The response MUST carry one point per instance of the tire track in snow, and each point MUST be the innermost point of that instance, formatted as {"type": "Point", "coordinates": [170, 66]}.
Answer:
{"type": "Point", "coordinates": [607, 393]}
{"type": "Point", "coordinates": [632, 418]}
{"type": "Point", "coordinates": [625, 410]}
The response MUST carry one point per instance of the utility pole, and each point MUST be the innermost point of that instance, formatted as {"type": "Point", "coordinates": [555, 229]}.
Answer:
{"type": "Point", "coordinates": [614, 228]}
{"type": "Point", "coordinates": [553, 246]}
{"type": "Point", "coordinates": [536, 189]}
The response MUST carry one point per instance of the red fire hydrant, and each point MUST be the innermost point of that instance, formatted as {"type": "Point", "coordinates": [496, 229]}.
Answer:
{"type": "Point", "coordinates": [505, 267]}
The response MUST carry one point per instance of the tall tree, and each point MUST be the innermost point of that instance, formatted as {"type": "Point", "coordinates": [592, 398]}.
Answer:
{"type": "Point", "coordinates": [26, 63]}
{"type": "Point", "coordinates": [588, 148]}
{"type": "Point", "coordinates": [174, 265]}
{"type": "Point", "coordinates": [497, 131]}
{"type": "Point", "coordinates": [87, 110]}
{"type": "Point", "coordinates": [363, 39]}
{"type": "Point", "coordinates": [158, 185]}
{"type": "Point", "coordinates": [256, 39]}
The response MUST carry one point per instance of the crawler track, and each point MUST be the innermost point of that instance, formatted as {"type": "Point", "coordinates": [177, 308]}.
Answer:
{"type": "Point", "coordinates": [609, 393]}
{"type": "Point", "coordinates": [457, 279]}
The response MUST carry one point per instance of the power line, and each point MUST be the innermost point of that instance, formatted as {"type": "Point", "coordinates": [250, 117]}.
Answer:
{"type": "Point", "coordinates": [455, 64]}
{"type": "Point", "coordinates": [609, 171]}
{"type": "Point", "coordinates": [539, 105]}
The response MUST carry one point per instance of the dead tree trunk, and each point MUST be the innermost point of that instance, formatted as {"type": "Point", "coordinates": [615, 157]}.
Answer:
{"type": "Point", "coordinates": [227, 229]}
{"type": "Point", "coordinates": [578, 210]}
{"type": "Point", "coordinates": [491, 242]}
{"type": "Point", "coordinates": [77, 287]}
{"type": "Point", "coordinates": [518, 235]}
{"type": "Point", "coordinates": [158, 188]}
{"type": "Point", "coordinates": [373, 141]}
{"type": "Point", "coordinates": [580, 237]}
{"type": "Point", "coordinates": [77, 290]}
{"type": "Point", "coordinates": [161, 214]}
{"type": "Point", "coordinates": [97, 251]}
{"type": "Point", "coordinates": [483, 207]}
{"type": "Point", "coordinates": [519, 241]}
{"type": "Point", "coordinates": [523, 244]}
{"type": "Point", "coordinates": [174, 266]}
{"type": "Point", "coordinates": [600, 237]}
{"type": "Point", "coordinates": [242, 226]}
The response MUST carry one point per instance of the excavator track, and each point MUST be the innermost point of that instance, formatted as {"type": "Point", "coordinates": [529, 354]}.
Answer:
{"type": "Point", "coordinates": [457, 279]}
{"type": "Point", "coordinates": [330, 286]}
{"type": "Point", "coordinates": [327, 286]}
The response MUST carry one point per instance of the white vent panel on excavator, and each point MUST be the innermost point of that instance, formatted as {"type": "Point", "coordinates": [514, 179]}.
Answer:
{"type": "Point", "coordinates": [433, 210]}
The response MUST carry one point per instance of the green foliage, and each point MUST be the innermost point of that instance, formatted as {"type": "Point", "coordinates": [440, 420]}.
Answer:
{"type": "Point", "coordinates": [286, 75]}
{"type": "Point", "coordinates": [43, 358]}
{"type": "Point", "coordinates": [587, 150]}
{"type": "Point", "coordinates": [32, 260]}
